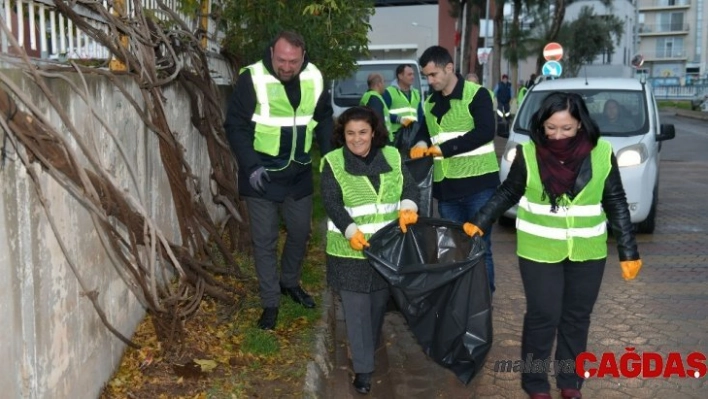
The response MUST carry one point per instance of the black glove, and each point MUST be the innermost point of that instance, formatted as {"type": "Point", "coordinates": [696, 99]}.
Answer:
{"type": "Point", "coordinates": [257, 180]}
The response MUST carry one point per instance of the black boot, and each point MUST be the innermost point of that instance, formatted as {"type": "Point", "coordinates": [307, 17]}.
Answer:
{"type": "Point", "coordinates": [298, 295]}
{"type": "Point", "coordinates": [362, 383]}
{"type": "Point", "coordinates": [268, 319]}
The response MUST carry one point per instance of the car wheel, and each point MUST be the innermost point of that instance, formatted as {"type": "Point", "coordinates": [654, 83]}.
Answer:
{"type": "Point", "coordinates": [507, 222]}
{"type": "Point", "coordinates": [648, 225]}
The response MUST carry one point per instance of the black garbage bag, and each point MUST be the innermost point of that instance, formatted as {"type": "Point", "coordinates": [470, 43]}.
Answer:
{"type": "Point", "coordinates": [422, 171]}
{"type": "Point", "coordinates": [439, 282]}
{"type": "Point", "coordinates": [404, 139]}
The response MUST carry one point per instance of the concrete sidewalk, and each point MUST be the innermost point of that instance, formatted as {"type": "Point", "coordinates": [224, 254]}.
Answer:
{"type": "Point", "coordinates": [664, 310]}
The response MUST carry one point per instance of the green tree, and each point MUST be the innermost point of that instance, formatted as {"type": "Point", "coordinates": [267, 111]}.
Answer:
{"type": "Point", "coordinates": [587, 37]}
{"type": "Point", "coordinates": [335, 31]}
{"type": "Point", "coordinates": [520, 43]}
{"type": "Point", "coordinates": [473, 10]}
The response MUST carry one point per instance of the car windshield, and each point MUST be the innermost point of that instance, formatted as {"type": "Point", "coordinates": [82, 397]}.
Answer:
{"type": "Point", "coordinates": [347, 92]}
{"type": "Point", "coordinates": [616, 112]}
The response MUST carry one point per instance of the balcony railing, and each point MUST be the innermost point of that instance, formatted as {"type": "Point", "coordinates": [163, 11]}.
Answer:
{"type": "Point", "coordinates": [44, 33]}
{"type": "Point", "coordinates": [654, 4]}
{"type": "Point", "coordinates": [663, 28]}
{"type": "Point", "coordinates": [665, 55]}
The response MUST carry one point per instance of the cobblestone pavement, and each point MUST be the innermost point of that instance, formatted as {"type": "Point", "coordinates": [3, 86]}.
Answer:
{"type": "Point", "coordinates": [664, 310]}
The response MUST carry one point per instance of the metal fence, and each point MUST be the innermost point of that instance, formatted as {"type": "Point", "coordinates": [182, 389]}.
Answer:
{"type": "Point", "coordinates": [45, 34]}
{"type": "Point", "coordinates": [679, 92]}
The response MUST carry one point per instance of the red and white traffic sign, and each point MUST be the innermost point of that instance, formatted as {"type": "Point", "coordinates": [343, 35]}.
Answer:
{"type": "Point", "coordinates": [553, 52]}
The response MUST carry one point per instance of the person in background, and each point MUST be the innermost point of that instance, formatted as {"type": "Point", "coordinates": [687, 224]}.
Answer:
{"type": "Point", "coordinates": [613, 120]}
{"type": "Point", "coordinates": [458, 131]}
{"type": "Point", "coordinates": [568, 186]}
{"type": "Point", "coordinates": [277, 107]}
{"type": "Point", "coordinates": [532, 81]}
{"type": "Point", "coordinates": [503, 94]}
{"type": "Point", "coordinates": [373, 99]}
{"type": "Point", "coordinates": [402, 99]}
{"type": "Point", "coordinates": [364, 186]}
{"type": "Point", "coordinates": [472, 77]}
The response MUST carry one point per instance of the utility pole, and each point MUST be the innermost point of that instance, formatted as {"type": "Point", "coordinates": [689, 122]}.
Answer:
{"type": "Point", "coordinates": [486, 81]}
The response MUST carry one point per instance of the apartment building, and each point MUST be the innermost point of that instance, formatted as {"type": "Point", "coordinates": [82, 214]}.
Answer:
{"type": "Point", "coordinates": [618, 62]}
{"type": "Point", "coordinates": [673, 38]}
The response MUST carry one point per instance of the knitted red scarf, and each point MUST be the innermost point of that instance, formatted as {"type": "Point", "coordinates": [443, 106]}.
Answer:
{"type": "Point", "coordinates": [559, 163]}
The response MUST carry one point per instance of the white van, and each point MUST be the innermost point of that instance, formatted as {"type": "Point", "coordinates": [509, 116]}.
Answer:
{"type": "Point", "coordinates": [636, 144]}
{"type": "Point", "coordinates": [347, 92]}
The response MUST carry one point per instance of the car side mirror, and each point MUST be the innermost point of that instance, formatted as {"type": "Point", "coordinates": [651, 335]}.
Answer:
{"type": "Point", "coordinates": [666, 132]}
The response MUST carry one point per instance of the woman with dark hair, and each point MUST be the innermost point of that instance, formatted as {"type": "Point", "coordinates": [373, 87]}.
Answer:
{"type": "Point", "coordinates": [567, 184]}
{"type": "Point", "coordinates": [365, 185]}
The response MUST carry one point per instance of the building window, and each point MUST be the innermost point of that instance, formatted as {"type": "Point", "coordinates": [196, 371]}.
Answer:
{"type": "Point", "coordinates": [670, 22]}
{"type": "Point", "coordinates": [669, 47]}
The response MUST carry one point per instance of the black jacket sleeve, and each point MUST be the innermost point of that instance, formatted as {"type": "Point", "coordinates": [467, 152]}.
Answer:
{"type": "Point", "coordinates": [325, 123]}
{"type": "Point", "coordinates": [506, 196]}
{"type": "Point", "coordinates": [614, 202]}
{"type": "Point", "coordinates": [482, 112]}
{"type": "Point", "coordinates": [239, 126]}
{"type": "Point", "coordinates": [378, 106]}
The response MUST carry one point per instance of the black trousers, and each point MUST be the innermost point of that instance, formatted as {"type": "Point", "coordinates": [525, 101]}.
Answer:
{"type": "Point", "coordinates": [559, 300]}
{"type": "Point", "coordinates": [265, 227]}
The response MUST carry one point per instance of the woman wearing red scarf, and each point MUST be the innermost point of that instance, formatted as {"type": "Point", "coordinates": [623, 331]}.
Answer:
{"type": "Point", "coordinates": [567, 184]}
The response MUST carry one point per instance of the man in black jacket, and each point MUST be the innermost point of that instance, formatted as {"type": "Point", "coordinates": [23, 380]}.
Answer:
{"type": "Point", "coordinates": [279, 104]}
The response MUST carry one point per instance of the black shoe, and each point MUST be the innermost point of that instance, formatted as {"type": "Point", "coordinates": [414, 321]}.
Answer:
{"type": "Point", "coordinates": [268, 319]}
{"type": "Point", "coordinates": [362, 383]}
{"type": "Point", "coordinates": [298, 295]}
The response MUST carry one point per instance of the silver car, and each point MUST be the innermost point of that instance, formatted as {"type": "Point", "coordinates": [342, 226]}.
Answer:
{"type": "Point", "coordinates": [635, 136]}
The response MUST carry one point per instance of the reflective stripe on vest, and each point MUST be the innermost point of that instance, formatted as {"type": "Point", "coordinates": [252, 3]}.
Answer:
{"type": "Point", "coordinates": [387, 120]}
{"type": "Point", "coordinates": [274, 112]}
{"type": "Point", "coordinates": [443, 137]}
{"type": "Point", "coordinates": [400, 106]}
{"type": "Point", "coordinates": [456, 122]}
{"type": "Point", "coordinates": [369, 209]}
{"type": "Point", "coordinates": [578, 230]}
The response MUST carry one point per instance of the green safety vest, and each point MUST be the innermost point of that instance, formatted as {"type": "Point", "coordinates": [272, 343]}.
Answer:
{"type": "Point", "coordinates": [274, 114]}
{"type": "Point", "coordinates": [456, 122]}
{"type": "Point", "coordinates": [520, 96]}
{"type": "Point", "coordinates": [387, 121]}
{"type": "Point", "coordinates": [578, 230]}
{"type": "Point", "coordinates": [370, 210]}
{"type": "Point", "coordinates": [400, 106]}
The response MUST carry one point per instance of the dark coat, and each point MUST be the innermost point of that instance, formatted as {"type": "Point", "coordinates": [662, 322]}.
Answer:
{"type": "Point", "coordinates": [296, 179]}
{"type": "Point", "coordinates": [614, 202]}
{"type": "Point", "coordinates": [346, 273]}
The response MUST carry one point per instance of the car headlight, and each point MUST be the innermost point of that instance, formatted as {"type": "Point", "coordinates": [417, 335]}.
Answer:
{"type": "Point", "coordinates": [510, 152]}
{"type": "Point", "coordinates": [632, 155]}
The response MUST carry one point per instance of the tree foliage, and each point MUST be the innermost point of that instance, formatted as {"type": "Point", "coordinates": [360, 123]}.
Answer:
{"type": "Point", "coordinates": [589, 36]}
{"type": "Point", "coordinates": [335, 31]}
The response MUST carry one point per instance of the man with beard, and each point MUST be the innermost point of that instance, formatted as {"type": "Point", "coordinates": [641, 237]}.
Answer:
{"type": "Point", "coordinates": [458, 131]}
{"type": "Point", "coordinates": [279, 104]}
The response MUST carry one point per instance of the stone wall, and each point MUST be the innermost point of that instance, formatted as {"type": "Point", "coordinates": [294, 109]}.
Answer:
{"type": "Point", "coordinates": [53, 343]}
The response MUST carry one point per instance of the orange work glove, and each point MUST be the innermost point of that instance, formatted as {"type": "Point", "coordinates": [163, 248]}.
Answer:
{"type": "Point", "coordinates": [418, 152]}
{"type": "Point", "coordinates": [472, 230]}
{"type": "Point", "coordinates": [630, 268]}
{"type": "Point", "coordinates": [358, 241]}
{"type": "Point", "coordinates": [406, 217]}
{"type": "Point", "coordinates": [434, 151]}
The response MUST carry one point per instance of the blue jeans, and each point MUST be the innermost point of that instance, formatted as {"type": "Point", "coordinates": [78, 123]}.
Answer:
{"type": "Point", "coordinates": [462, 210]}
